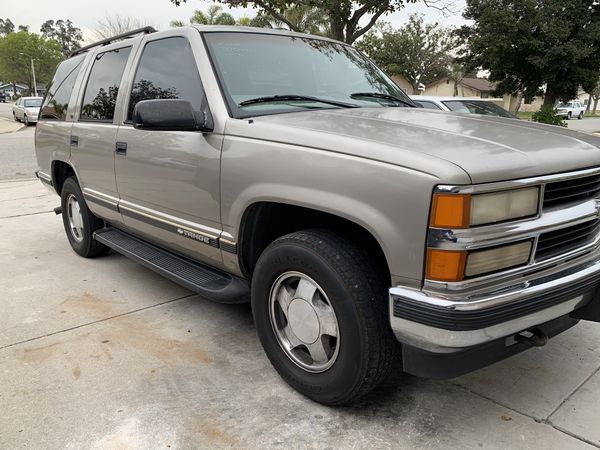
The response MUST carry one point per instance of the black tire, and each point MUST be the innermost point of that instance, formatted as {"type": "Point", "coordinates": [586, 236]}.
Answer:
{"type": "Point", "coordinates": [569, 115]}
{"type": "Point", "coordinates": [359, 298]}
{"type": "Point", "coordinates": [580, 116]}
{"type": "Point", "coordinates": [87, 246]}
{"type": "Point", "coordinates": [15, 117]}
{"type": "Point", "coordinates": [26, 121]}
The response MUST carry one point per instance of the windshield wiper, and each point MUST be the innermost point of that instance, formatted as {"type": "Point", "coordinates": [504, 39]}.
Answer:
{"type": "Point", "coordinates": [293, 97]}
{"type": "Point", "coordinates": [383, 97]}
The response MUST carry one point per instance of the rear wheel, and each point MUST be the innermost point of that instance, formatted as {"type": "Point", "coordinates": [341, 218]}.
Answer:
{"type": "Point", "coordinates": [79, 222]}
{"type": "Point", "coordinates": [15, 117]}
{"type": "Point", "coordinates": [580, 115]}
{"type": "Point", "coordinates": [569, 115]}
{"type": "Point", "coordinates": [321, 313]}
{"type": "Point", "coordinates": [26, 121]}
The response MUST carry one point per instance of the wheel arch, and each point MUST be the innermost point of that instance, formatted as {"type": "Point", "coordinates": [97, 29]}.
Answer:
{"type": "Point", "coordinates": [265, 221]}
{"type": "Point", "coordinates": [60, 171]}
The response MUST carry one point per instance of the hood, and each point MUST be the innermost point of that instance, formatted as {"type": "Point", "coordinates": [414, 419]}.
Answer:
{"type": "Point", "coordinates": [486, 148]}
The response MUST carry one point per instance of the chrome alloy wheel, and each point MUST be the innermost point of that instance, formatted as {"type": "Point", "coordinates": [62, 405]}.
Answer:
{"type": "Point", "coordinates": [304, 322]}
{"type": "Point", "coordinates": [75, 218]}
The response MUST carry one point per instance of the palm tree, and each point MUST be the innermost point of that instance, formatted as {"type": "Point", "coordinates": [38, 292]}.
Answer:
{"type": "Point", "coordinates": [214, 16]}
{"type": "Point", "coordinates": [303, 18]}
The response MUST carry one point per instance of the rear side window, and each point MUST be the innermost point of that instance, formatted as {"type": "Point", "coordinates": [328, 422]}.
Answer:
{"type": "Point", "coordinates": [59, 92]}
{"type": "Point", "coordinates": [167, 70]}
{"type": "Point", "coordinates": [102, 87]}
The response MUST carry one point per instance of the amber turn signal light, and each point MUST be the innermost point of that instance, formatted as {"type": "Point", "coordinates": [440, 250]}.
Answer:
{"type": "Point", "coordinates": [444, 265]}
{"type": "Point", "coordinates": [450, 211]}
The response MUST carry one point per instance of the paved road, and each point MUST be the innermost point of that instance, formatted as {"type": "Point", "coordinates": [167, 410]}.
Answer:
{"type": "Point", "coordinates": [102, 353]}
{"type": "Point", "coordinates": [6, 110]}
{"type": "Point", "coordinates": [589, 125]}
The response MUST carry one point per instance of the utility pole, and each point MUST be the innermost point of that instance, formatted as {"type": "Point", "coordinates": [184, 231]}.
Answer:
{"type": "Point", "coordinates": [35, 92]}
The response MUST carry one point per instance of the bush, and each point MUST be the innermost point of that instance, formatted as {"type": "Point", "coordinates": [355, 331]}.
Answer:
{"type": "Point", "coordinates": [547, 114]}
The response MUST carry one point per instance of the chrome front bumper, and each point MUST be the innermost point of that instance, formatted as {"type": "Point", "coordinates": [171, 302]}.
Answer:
{"type": "Point", "coordinates": [439, 324]}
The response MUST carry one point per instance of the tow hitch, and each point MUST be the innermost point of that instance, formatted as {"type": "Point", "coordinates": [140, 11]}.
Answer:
{"type": "Point", "coordinates": [534, 338]}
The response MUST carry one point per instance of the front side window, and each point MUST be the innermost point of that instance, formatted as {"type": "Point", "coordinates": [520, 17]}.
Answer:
{"type": "Point", "coordinates": [478, 107]}
{"type": "Point", "coordinates": [102, 87]}
{"type": "Point", "coordinates": [56, 101]}
{"type": "Point", "coordinates": [427, 104]}
{"type": "Point", "coordinates": [167, 70]}
{"type": "Point", "coordinates": [256, 70]}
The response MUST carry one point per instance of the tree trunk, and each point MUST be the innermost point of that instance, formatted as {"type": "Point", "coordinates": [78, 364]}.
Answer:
{"type": "Point", "coordinates": [596, 104]}
{"type": "Point", "coordinates": [517, 104]}
{"type": "Point", "coordinates": [14, 90]}
{"type": "Point", "coordinates": [550, 97]}
{"type": "Point", "coordinates": [456, 88]}
{"type": "Point", "coordinates": [589, 103]}
{"type": "Point", "coordinates": [415, 88]}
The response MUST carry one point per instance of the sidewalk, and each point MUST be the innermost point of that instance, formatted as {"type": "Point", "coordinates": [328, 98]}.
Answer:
{"type": "Point", "coordinates": [103, 353]}
{"type": "Point", "coordinates": [9, 126]}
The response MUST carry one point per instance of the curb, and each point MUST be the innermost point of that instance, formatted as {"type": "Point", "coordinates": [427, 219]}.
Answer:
{"type": "Point", "coordinates": [9, 126]}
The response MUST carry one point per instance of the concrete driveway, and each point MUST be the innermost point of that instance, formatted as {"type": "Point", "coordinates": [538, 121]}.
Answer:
{"type": "Point", "coordinates": [105, 354]}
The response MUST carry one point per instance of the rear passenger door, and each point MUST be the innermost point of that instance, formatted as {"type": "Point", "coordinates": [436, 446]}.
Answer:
{"type": "Point", "coordinates": [53, 131]}
{"type": "Point", "coordinates": [168, 181]}
{"type": "Point", "coordinates": [94, 133]}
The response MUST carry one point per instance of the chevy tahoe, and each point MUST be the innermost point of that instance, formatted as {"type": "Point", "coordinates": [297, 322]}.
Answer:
{"type": "Point", "coordinates": [289, 171]}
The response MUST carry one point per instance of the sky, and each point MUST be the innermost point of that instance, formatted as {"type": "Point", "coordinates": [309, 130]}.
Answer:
{"type": "Point", "coordinates": [158, 13]}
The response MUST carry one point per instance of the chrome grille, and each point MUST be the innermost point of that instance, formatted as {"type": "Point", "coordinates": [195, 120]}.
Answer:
{"type": "Point", "coordinates": [573, 190]}
{"type": "Point", "coordinates": [564, 240]}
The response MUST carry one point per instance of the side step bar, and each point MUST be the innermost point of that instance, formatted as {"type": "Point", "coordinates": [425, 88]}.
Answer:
{"type": "Point", "coordinates": [208, 282]}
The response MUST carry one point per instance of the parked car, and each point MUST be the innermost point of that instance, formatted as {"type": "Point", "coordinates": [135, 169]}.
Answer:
{"type": "Point", "coordinates": [287, 170]}
{"type": "Point", "coordinates": [26, 109]}
{"type": "Point", "coordinates": [571, 109]}
{"type": "Point", "coordinates": [3, 97]}
{"type": "Point", "coordinates": [463, 105]}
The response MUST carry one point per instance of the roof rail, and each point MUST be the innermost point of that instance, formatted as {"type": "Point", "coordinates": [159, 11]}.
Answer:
{"type": "Point", "coordinates": [144, 30]}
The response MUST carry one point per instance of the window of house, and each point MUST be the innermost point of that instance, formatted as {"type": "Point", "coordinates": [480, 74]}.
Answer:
{"type": "Point", "coordinates": [58, 94]}
{"type": "Point", "coordinates": [167, 70]}
{"type": "Point", "coordinates": [102, 87]}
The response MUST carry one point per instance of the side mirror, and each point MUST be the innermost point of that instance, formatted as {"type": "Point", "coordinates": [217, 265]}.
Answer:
{"type": "Point", "coordinates": [170, 115]}
{"type": "Point", "coordinates": [419, 105]}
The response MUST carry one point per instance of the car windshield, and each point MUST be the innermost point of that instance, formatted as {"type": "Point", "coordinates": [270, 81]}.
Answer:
{"type": "Point", "coordinates": [268, 74]}
{"type": "Point", "coordinates": [33, 103]}
{"type": "Point", "coordinates": [565, 105]}
{"type": "Point", "coordinates": [478, 107]}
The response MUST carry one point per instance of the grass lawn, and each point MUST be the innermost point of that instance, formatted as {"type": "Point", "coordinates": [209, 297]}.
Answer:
{"type": "Point", "coordinates": [527, 115]}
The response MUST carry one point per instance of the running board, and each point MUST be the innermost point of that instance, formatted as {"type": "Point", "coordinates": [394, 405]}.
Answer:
{"type": "Point", "coordinates": [208, 282]}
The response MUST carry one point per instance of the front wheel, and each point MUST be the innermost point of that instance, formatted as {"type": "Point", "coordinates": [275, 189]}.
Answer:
{"type": "Point", "coordinates": [569, 116]}
{"type": "Point", "coordinates": [321, 313]}
{"type": "Point", "coordinates": [580, 117]}
{"type": "Point", "coordinates": [79, 222]}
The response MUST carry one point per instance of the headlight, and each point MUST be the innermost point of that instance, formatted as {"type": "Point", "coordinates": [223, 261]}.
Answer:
{"type": "Point", "coordinates": [506, 205]}
{"type": "Point", "coordinates": [464, 211]}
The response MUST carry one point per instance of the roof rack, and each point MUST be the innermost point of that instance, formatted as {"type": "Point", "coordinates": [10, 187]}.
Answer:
{"type": "Point", "coordinates": [118, 37]}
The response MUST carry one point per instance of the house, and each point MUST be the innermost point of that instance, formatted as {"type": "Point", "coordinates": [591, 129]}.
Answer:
{"type": "Point", "coordinates": [22, 89]}
{"type": "Point", "coordinates": [467, 87]}
{"type": "Point", "coordinates": [7, 88]}
{"type": "Point", "coordinates": [403, 83]}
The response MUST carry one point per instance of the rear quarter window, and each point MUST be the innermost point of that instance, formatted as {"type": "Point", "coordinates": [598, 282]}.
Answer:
{"type": "Point", "coordinates": [54, 106]}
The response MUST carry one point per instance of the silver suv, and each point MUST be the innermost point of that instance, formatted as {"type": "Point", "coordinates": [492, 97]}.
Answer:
{"type": "Point", "coordinates": [289, 171]}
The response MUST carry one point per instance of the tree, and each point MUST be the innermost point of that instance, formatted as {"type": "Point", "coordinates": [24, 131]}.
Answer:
{"type": "Point", "coordinates": [16, 51]}
{"type": "Point", "coordinates": [111, 26]}
{"type": "Point", "coordinates": [65, 33]}
{"type": "Point", "coordinates": [347, 19]}
{"type": "Point", "coordinates": [214, 16]}
{"type": "Point", "coordinates": [594, 91]}
{"type": "Point", "coordinates": [418, 51]}
{"type": "Point", "coordinates": [301, 18]}
{"type": "Point", "coordinates": [6, 27]}
{"type": "Point", "coordinates": [530, 44]}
